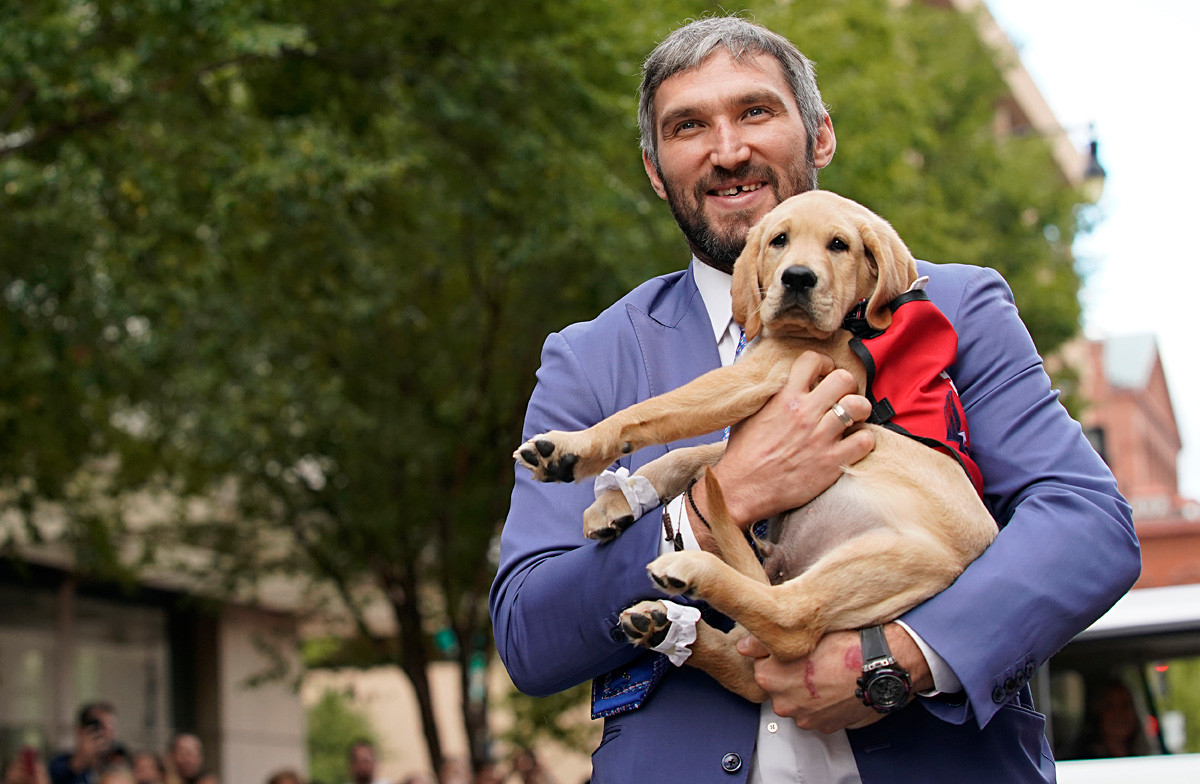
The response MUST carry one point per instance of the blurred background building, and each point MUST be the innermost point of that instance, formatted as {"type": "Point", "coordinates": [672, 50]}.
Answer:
{"type": "Point", "coordinates": [1130, 420]}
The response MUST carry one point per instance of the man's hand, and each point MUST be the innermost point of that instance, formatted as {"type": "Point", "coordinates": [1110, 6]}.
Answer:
{"type": "Point", "coordinates": [795, 447]}
{"type": "Point", "coordinates": [817, 691]}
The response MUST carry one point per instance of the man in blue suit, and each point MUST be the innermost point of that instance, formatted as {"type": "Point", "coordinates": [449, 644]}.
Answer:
{"type": "Point", "coordinates": [732, 123]}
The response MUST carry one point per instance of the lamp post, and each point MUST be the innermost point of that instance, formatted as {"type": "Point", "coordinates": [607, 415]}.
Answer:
{"type": "Point", "coordinates": [1088, 174]}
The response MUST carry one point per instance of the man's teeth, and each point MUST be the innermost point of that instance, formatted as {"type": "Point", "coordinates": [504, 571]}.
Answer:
{"type": "Point", "coordinates": [738, 189]}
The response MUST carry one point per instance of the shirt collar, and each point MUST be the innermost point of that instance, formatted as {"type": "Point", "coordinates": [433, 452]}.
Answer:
{"type": "Point", "coordinates": [714, 288]}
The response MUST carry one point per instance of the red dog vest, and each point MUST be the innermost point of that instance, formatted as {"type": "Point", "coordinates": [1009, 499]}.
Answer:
{"type": "Point", "coordinates": [907, 382]}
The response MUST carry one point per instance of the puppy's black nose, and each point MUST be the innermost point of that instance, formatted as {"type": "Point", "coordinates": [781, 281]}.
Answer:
{"type": "Point", "coordinates": [798, 279]}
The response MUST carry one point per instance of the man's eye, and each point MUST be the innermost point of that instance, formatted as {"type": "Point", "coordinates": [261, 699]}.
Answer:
{"type": "Point", "coordinates": [838, 245]}
{"type": "Point", "coordinates": [779, 240]}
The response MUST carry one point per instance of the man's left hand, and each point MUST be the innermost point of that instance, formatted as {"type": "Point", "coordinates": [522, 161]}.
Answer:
{"type": "Point", "coordinates": [817, 691]}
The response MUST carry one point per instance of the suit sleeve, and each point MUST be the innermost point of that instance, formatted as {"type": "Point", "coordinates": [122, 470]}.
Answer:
{"type": "Point", "coordinates": [1066, 550]}
{"type": "Point", "coordinates": [557, 596]}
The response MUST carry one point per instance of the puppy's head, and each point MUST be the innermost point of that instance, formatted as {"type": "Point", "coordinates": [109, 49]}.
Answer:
{"type": "Point", "coordinates": [810, 260]}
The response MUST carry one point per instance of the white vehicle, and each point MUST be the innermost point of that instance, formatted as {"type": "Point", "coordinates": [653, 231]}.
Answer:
{"type": "Point", "coordinates": [1123, 698]}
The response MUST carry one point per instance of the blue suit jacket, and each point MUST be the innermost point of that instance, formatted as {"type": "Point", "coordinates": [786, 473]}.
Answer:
{"type": "Point", "coordinates": [1065, 553]}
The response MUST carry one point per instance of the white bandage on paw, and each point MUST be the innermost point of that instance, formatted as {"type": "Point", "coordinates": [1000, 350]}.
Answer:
{"type": "Point", "coordinates": [681, 634]}
{"type": "Point", "coordinates": [638, 491]}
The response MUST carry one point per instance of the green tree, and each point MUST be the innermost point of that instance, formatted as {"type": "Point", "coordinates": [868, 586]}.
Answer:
{"type": "Point", "coordinates": [287, 265]}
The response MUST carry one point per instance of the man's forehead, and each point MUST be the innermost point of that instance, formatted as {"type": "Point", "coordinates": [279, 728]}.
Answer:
{"type": "Point", "coordinates": [753, 64]}
{"type": "Point", "coordinates": [721, 76]}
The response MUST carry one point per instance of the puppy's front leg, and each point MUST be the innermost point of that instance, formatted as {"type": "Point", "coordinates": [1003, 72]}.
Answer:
{"type": "Point", "coordinates": [706, 404]}
{"type": "Point", "coordinates": [610, 514]}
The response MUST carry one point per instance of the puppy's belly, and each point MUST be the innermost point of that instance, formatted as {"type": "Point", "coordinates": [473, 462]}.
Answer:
{"type": "Point", "coordinates": [801, 537]}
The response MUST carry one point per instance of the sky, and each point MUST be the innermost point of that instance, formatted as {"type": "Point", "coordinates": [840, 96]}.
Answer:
{"type": "Point", "coordinates": [1129, 69]}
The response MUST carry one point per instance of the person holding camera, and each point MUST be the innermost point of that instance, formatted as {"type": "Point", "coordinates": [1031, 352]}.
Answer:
{"type": "Point", "coordinates": [96, 747]}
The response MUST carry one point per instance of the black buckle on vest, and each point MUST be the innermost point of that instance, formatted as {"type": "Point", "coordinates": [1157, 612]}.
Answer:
{"type": "Point", "coordinates": [856, 320]}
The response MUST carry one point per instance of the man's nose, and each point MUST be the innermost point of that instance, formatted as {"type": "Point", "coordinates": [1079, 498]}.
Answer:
{"type": "Point", "coordinates": [730, 149]}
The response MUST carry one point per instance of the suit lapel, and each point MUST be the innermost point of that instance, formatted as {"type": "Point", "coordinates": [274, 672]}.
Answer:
{"type": "Point", "coordinates": [676, 341]}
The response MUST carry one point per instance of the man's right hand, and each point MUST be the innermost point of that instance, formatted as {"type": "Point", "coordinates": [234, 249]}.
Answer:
{"type": "Point", "coordinates": [795, 447]}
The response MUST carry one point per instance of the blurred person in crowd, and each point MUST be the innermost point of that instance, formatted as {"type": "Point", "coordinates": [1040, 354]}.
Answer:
{"type": "Point", "coordinates": [26, 768]}
{"type": "Point", "coordinates": [361, 761]}
{"type": "Point", "coordinates": [529, 768]}
{"type": "Point", "coordinates": [96, 747]}
{"type": "Point", "coordinates": [488, 773]}
{"type": "Point", "coordinates": [1113, 727]}
{"type": "Point", "coordinates": [285, 777]}
{"type": "Point", "coordinates": [117, 774]}
{"type": "Point", "coordinates": [186, 755]}
{"type": "Point", "coordinates": [454, 770]}
{"type": "Point", "coordinates": [148, 768]}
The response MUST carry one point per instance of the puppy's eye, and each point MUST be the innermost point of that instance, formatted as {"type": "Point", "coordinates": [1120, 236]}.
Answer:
{"type": "Point", "coordinates": [838, 245]}
{"type": "Point", "coordinates": [779, 240]}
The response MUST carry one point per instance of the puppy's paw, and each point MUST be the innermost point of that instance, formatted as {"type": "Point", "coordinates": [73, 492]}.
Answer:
{"type": "Point", "coordinates": [547, 457]}
{"type": "Point", "coordinates": [681, 572]}
{"type": "Point", "coordinates": [646, 623]}
{"type": "Point", "coordinates": [567, 457]}
{"type": "Point", "coordinates": [608, 517]}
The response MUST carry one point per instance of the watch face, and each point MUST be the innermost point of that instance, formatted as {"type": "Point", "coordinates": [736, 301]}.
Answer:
{"type": "Point", "coordinates": [887, 690]}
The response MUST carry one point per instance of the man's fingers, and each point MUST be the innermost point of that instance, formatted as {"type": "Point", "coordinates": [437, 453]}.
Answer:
{"type": "Point", "coordinates": [751, 646]}
{"type": "Point", "coordinates": [852, 407]}
{"type": "Point", "coordinates": [856, 446]}
{"type": "Point", "coordinates": [807, 370]}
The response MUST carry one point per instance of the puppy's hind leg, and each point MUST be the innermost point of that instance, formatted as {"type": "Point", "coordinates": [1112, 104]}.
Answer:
{"type": "Point", "coordinates": [646, 624]}
{"type": "Point", "coordinates": [868, 580]}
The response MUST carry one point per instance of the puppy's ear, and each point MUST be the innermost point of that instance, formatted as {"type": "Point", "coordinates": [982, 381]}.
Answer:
{"type": "Point", "coordinates": [746, 289]}
{"type": "Point", "coordinates": [895, 268]}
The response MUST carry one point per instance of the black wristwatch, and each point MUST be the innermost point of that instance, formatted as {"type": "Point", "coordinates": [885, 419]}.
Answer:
{"type": "Point", "coordinates": [884, 684]}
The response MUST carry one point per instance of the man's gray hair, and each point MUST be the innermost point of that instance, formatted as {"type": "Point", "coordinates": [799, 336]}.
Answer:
{"type": "Point", "coordinates": [690, 45]}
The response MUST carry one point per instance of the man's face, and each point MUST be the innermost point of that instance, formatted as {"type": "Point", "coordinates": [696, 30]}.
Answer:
{"type": "Point", "coordinates": [731, 146]}
{"type": "Point", "coordinates": [362, 764]}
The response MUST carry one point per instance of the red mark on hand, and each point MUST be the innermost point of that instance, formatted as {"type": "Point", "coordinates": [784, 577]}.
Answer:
{"type": "Point", "coordinates": [810, 679]}
{"type": "Point", "coordinates": [854, 659]}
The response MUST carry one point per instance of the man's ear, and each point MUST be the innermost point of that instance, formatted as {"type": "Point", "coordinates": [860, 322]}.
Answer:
{"type": "Point", "coordinates": [652, 173]}
{"type": "Point", "coordinates": [825, 145]}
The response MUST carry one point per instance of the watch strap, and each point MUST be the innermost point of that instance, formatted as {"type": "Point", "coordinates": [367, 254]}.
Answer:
{"type": "Point", "coordinates": [875, 650]}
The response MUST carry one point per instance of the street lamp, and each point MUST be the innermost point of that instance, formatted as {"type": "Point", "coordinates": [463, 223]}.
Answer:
{"type": "Point", "coordinates": [1093, 173]}
{"type": "Point", "coordinates": [1083, 170]}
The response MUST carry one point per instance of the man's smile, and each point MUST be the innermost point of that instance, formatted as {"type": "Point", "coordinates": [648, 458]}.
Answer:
{"type": "Point", "coordinates": [734, 190]}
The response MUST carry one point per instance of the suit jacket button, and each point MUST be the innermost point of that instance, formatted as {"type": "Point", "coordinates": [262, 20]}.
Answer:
{"type": "Point", "coordinates": [731, 763]}
{"type": "Point", "coordinates": [616, 634]}
{"type": "Point", "coordinates": [1010, 686]}
{"type": "Point", "coordinates": [998, 694]}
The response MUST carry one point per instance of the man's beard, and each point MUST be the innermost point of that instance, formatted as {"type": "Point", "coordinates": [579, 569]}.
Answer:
{"type": "Point", "coordinates": [718, 248]}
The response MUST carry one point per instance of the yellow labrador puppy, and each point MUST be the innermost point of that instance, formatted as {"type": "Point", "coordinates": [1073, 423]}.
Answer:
{"type": "Point", "coordinates": [898, 527]}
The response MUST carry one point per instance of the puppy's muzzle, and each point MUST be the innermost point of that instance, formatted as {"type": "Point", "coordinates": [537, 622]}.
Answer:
{"type": "Point", "coordinates": [798, 279]}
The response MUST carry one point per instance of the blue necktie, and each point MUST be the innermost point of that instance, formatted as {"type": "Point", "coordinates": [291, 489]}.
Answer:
{"type": "Point", "coordinates": [760, 528]}
{"type": "Point", "coordinates": [741, 345]}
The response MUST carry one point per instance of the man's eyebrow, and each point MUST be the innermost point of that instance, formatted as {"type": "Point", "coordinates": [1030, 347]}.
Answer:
{"type": "Point", "coordinates": [756, 97]}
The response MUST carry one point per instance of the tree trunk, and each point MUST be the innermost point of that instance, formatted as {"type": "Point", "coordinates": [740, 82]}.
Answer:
{"type": "Point", "coordinates": [414, 656]}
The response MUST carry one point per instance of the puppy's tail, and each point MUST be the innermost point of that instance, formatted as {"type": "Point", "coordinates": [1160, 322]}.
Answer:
{"type": "Point", "coordinates": [732, 545]}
